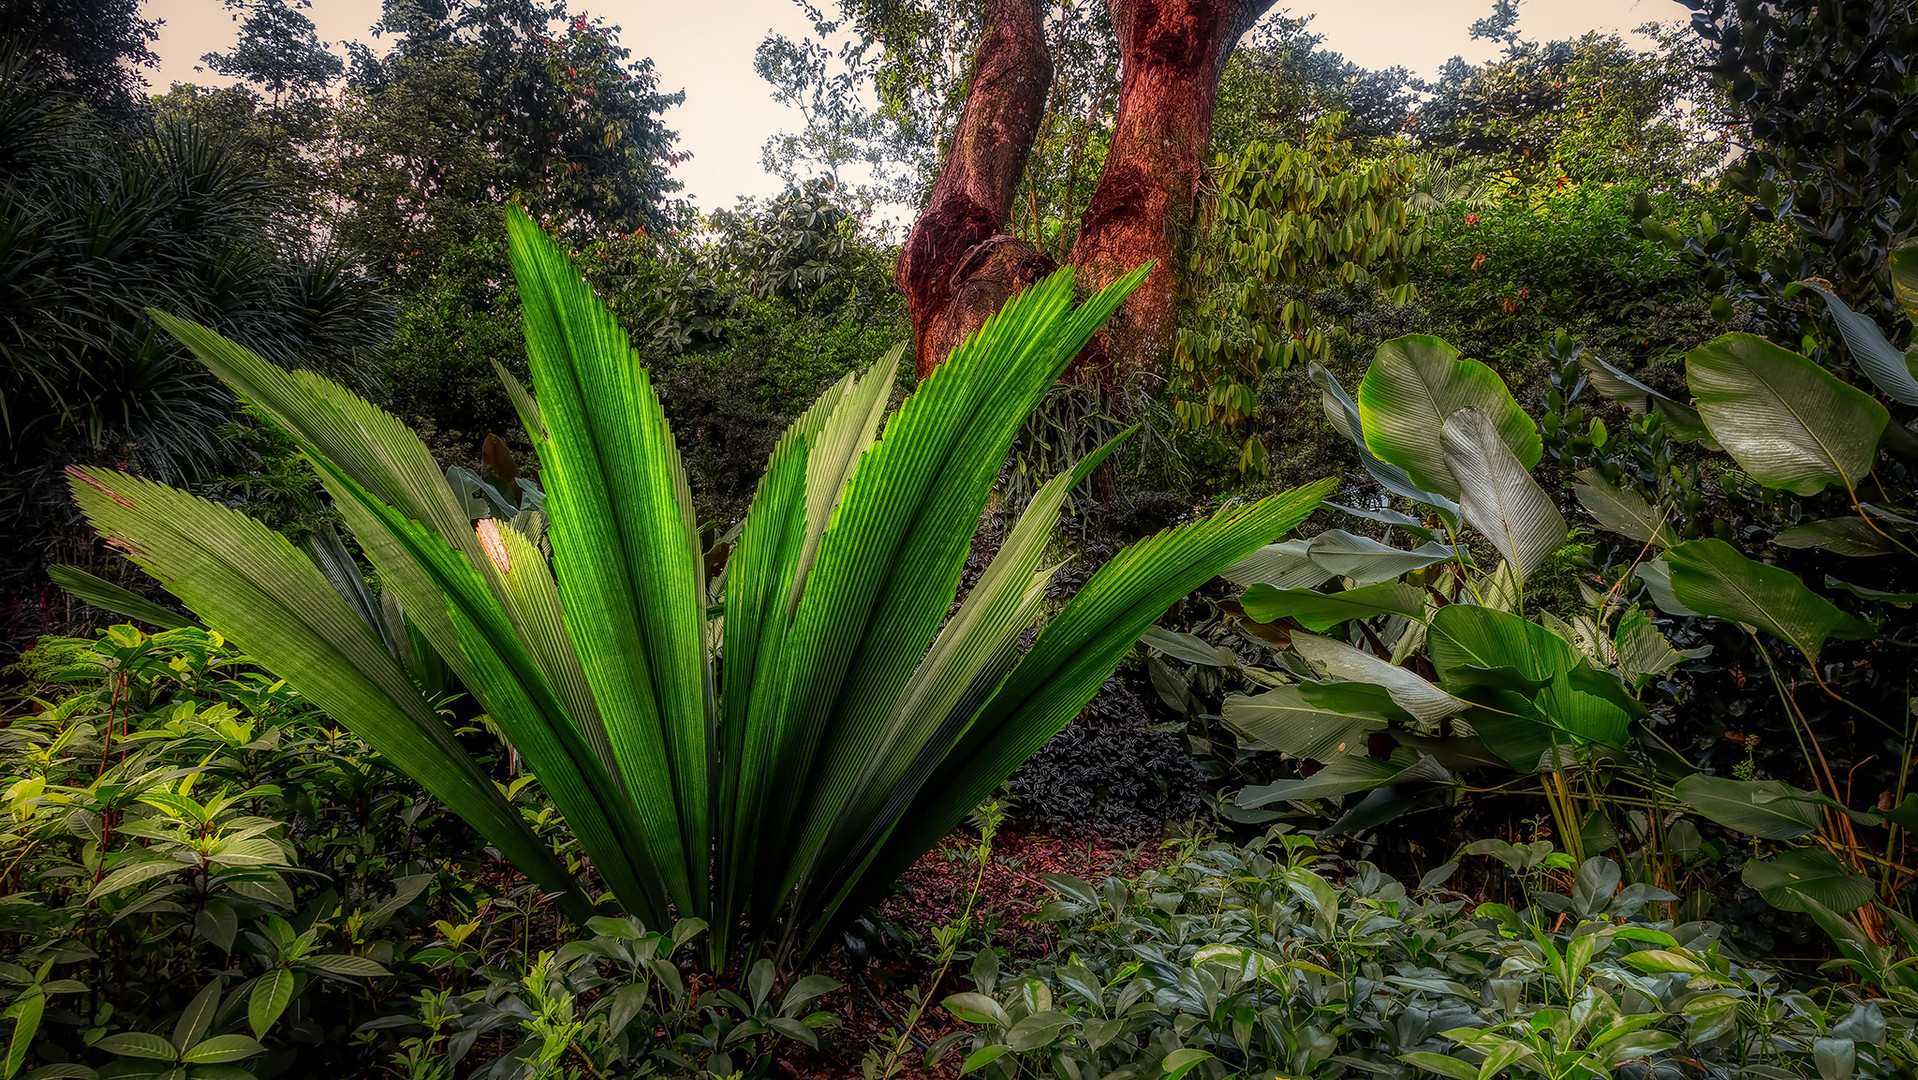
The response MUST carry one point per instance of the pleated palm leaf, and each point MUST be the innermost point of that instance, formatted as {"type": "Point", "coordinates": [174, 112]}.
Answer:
{"type": "Point", "coordinates": [767, 765]}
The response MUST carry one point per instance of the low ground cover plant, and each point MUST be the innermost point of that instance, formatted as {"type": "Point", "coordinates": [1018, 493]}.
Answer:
{"type": "Point", "coordinates": [1272, 958]}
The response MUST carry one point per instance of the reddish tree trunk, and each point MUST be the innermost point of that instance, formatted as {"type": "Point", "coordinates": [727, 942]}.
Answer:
{"type": "Point", "coordinates": [957, 266]}
{"type": "Point", "coordinates": [1172, 53]}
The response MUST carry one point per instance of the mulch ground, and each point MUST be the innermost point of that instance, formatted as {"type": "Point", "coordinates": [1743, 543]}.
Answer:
{"type": "Point", "coordinates": [878, 996]}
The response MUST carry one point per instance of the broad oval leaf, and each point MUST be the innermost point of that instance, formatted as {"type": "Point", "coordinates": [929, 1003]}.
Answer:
{"type": "Point", "coordinates": [1411, 693]}
{"type": "Point", "coordinates": [1186, 647]}
{"type": "Point", "coordinates": [1789, 423]}
{"type": "Point", "coordinates": [976, 1008]}
{"type": "Point", "coordinates": [270, 997]}
{"type": "Point", "coordinates": [1462, 637]}
{"type": "Point", "coordinates": [137, 1044]}
{"type": "Point", "coordinates": [1903, 262]}
{"type": "Point", "coordinates": [1846, 535]}
{"type": "Point", "coordinates": [1286, 565]}
{"type": "Point", "coordinates": [1320, 611]}
{"type": "Point", "coordinates": [1785, 881]}
{"type": "Point", "coordinates": [1657, 576]}
{"type": "Point", "coordinates": [1343, 775]}
{"type": "Point", "coordinates": [1498, 495]}
{"type": "Point", "coordinates": [1344, 414]}
{"type": "Point", "coordinates": [1283, 719]}
{"type": "Point", "coordinates": [1367, 561]}
{"type": "Point", "coordinates": [1414, 385]}
{"type": "Point", "coordinates": [1623, 512]}
{"type": "Point", "coordinates": [1713, 578]}
{"type": "Point", "coordinates": [1769, 809]}
{"type": "Point", "coordinates": [222, 1048]}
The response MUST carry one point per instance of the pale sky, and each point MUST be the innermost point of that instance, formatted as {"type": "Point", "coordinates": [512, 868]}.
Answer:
{"type": "Point", "coordinates": [706, 49]}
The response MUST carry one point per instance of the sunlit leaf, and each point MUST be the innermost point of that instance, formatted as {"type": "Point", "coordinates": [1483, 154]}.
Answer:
{"type": "Point", "coordinates": [1413, 387]}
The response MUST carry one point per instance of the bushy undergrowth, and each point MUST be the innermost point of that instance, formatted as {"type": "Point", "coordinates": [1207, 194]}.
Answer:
{"type": "Point", "coordinates": [203, 872]}
{"type": "Point", "coordinates": [1271, 959]}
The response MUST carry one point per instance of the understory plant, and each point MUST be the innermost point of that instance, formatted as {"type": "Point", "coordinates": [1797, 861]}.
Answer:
{"type": "Point", "coordinates": [1270, 959]}
{"type": "Point", "coordinates": [760, 737]}
{"type": "Point", "coordinates": [1438, 663]}
{"type": "Point", "coordinates": [197, 870]}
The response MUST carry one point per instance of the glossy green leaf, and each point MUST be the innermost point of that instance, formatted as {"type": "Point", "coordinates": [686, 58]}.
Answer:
{"type": "Point", "coordinates": [1498, 497]}
{"type": "Point", "coordinates": [1657, 576]}
{"type": "Point", "coordinates": [1623, 512]}
{"type": "Point", "coordinates": [272, 993]}
{"type": "Point", "coordinates": [1846, 535]}
{"type": "Point", "coordinates": [1319, 611]}
{"type": "Point", "coordinates": [137, 1044]}
{"type": "Point", "coordinates": [1880, 360]}
{"type": "Point", "coordinates": [1344, 774]}
{"type": "Point", "coordinates": [1903, 263]}
{"type": "Point", "coordinates": [1713, 578]}
{"type": "Point", "coordinates": [1367, 561]}
{"type": "Point", "coordinates": [1771, 809]}
{"type": "Point", "coordinates": [1784, 881]}
{"type": "Point", "coordinates": [1413, 387]}
{"type": "Point", "coordinates": [1423, 700]}
{"type": "Point", "coordinates": [1283, 719]}
{"type": "Point", "coordinates": [1787, 421]}
{"type": "Point", "coordinates": [1186, 647]}
{"type": "Point", "coordinates": [1285, 565]}
{"type": "Point", "coordinates": [1344, 414]}
{"type": "Point", "coordinates": [222, 1048]}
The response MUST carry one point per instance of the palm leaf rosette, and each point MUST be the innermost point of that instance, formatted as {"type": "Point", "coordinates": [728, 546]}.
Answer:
{"type": "Point", "coordinates": [768, 764]}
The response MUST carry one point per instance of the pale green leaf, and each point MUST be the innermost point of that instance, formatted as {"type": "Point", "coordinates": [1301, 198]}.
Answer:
{"type": "Point", "coordinates": [1413, 387]}
{"type": "Point", "coordinates": [1498, 496]}
{"type": "Point", "coordinates": [1787, 421]}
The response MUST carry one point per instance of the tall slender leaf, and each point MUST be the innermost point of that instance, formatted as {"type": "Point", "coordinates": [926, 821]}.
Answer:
{"type": "Point", "coordinates": [1498, 496]}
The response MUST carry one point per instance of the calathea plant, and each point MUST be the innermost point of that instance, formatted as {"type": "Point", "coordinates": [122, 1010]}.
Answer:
{"type": "Point", "coordinates": [1505, 691]}
{"type": "Point", "coordinates": [1441, 667]}
{"type": "Point", "coordinates": [764, 762]}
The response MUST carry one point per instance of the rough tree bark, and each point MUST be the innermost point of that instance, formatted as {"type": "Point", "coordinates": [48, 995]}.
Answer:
{"type": "Point", "coordinates": [1172, 53]}
{"type": "Point", "coordinates": [957, 266]}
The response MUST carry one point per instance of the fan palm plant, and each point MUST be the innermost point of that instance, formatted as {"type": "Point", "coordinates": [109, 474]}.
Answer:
{"type": "Point", "coordinates": [765, 764]}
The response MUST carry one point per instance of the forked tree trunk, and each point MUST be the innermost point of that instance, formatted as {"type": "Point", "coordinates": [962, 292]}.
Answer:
{"type": "Point", "coordinates": [957, 266]}
{"type": "Point", "coordinates": [1172, 53]}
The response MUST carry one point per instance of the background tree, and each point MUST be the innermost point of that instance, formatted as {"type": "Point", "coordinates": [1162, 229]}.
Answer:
{"type": "Point", "coordinates": [955, 267]}
{"type": "Point", "coordinates": [1823, 107]}
{"type": "Point", "coordinates": [87, 49]}
{"type": "Point", "coordinates": [1550, 114]}
{"type": "Point", "coordinates": [106, 216]}
{"type": "Point", "coordinates": [279, 51]}
{"type": "Point", "coordinates": [479, 103]}
{"type": "Point", "coordinates": [1279, 83]}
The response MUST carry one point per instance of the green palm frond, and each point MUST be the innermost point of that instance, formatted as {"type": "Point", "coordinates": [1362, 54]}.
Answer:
{"type": "Point", "coordinates": [768, 770]}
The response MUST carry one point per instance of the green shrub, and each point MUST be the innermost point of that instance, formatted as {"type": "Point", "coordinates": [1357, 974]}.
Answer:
{"type": "Point", "coordinates": [1270, 960]}
{"type": "Point", "coordinates": [188, 838]}
{"type": "Point", "coordinates": [195, 854]}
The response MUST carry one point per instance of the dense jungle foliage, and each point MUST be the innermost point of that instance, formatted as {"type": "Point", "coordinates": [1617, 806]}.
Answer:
{"type": "Point", "coordinates": [470, 615]}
